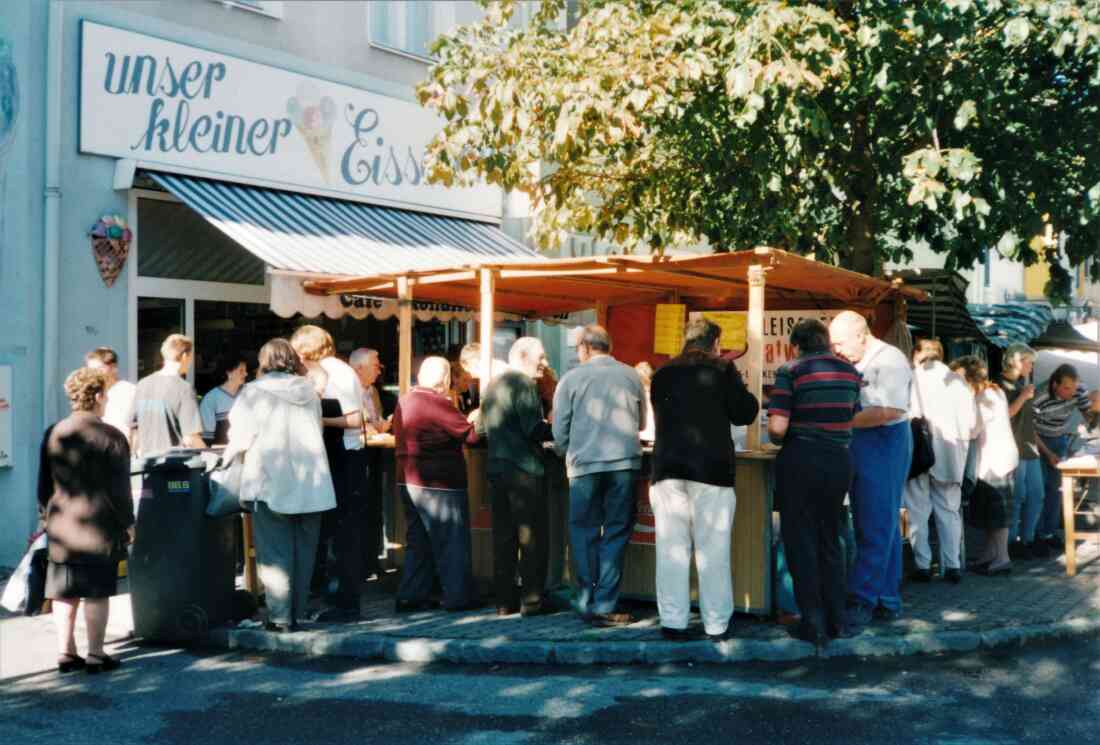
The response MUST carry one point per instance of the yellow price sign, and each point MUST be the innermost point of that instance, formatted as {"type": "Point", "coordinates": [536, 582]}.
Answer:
{"type": "Point", "coordinates": [668, 329]}
{"type": "Point", "coordinates": [733, 325]}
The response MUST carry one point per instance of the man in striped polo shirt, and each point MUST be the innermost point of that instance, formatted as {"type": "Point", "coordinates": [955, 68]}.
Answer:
{"type": "Point", "coordinates": [812, 404]}
{"type": "Point", "coordinates": [1054, 405]}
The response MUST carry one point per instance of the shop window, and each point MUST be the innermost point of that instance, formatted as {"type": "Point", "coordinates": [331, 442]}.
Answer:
{"type": "Point", "coordinates": [156, 319]}
{"type": "Point", "coordinates": [175, 242]}
{"type": "Point", "coordinates": [270, 8]}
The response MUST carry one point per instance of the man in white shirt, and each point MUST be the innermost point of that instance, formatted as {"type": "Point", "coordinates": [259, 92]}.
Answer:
{"type": "Point", "coordinates": [120, 393]}
{"type": "Point", "coordinates": [368, 367]}
{"type": "Point", "coordinates": [882, 448]}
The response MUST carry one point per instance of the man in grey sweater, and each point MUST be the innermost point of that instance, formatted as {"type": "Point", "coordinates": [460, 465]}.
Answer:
{"type": "Point", "coordinates": [599, 408]}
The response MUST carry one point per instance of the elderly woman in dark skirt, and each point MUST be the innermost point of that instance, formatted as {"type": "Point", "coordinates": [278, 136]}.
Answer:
{"type": "Point", "coordinates": [996, 464]}
{"type": "Point", "coordinates": [84, 493]}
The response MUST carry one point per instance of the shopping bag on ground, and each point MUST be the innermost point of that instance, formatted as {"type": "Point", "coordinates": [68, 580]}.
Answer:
{"type": "Point", "coordinates": [26, 588]}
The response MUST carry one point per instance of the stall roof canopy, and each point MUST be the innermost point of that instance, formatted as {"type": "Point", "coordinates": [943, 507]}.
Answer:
{"type": "Point", "coordinates": [555, 286]}
{"type": "Point", "coordinates": [316, 235]}
{"type": "Point", "coordinates": [1006, 323]}
{"type": "Point", "coordinates": [1061, 335]}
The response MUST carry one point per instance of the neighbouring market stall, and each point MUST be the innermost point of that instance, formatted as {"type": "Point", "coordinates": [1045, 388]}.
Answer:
{"type": "Point", "coordinates": [645, 301]}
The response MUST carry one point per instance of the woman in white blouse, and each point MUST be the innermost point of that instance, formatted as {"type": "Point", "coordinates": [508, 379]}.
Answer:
{"type": "Point", "coordinates": [996, 462]}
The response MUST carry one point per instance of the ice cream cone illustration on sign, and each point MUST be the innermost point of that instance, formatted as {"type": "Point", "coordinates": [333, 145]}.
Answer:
{"type": "Point", "coordinates": [313, 117]}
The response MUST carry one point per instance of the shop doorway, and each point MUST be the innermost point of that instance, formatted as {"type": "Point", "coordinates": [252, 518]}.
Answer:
{"type": "Point", "coordinates": [156, 318]}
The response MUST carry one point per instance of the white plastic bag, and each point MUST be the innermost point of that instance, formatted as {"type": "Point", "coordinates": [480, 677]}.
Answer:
{"type": "Point", "coordinates": [19, 588]}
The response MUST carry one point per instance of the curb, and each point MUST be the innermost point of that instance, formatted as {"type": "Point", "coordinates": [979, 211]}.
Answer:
{"type": "Point", "coordinates": [382, 647]}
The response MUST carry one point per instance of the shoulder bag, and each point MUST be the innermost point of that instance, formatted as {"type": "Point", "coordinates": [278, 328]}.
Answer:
{"type": "Point", "coordinates": [924, 457]}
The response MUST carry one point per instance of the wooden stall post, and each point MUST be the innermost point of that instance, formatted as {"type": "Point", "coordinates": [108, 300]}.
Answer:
{"type": "Point", "coordinates": [404, 336]}
{"type": "Point", "coordinates": [488, 284]}
{"type": "Point", "coordinates": [756, 347]}
{"type": "Point", "coordinates": [601, 313]}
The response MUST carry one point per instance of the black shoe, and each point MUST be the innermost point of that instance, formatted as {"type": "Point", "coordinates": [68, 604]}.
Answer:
{"type": "Point", "coordinates": [804, 634]}
{"type": "Point", "coordinates": [1040, 549]}
{"type": "Point", "coordinates": [96, 664]}
{"type": "Point", "coordinates": [507, 610]}
{"type": "Point", "coordinates": [68, 663]}
{"type": "Point", "coordinates": [276, 628]}
{"type": "Point", "coordinates": [1055, 544]}
{"type": "Point", "coordinates": [724, 636]}
{"type": "Point", "coordinates": [413, 606]}
{"type": "Point", "coordinates": [1001, 571]}
{"type": "Point", "coordinates": [337, 615]}
{"type": "Point", "coordinates": [921, 575]}
{"type": "Point", "coordinates": [882, 613]}
{"type": "Point", "coordinates": [954, 576]}
{"type": "Point", "coordinates": [532, 610]}
{"type": "Point", "coordinates": [979, 567]}
{"type": "Point", "coordinates": [859, 618]}
{"type": "Point", "coordinates": [1020, 551]}
{"type": "Point", "coordinates": [678, 635]}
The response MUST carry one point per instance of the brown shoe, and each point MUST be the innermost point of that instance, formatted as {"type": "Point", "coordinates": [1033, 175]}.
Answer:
{"type": "Point", "coordinates": [614, 618]}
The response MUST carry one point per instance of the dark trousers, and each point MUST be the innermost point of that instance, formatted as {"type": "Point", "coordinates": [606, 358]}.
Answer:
{"type": "Point", "coordinates": [350, 506]}
{"type": "Point", "coordinates": [602, 509]}
{"type": "Point", "coordinates": [811, 481]}
{"type": "Point", "coordinates": [438, 540]}
{"type": "Point", "coordinates": [373, 539]}
{"type": "Point", "coordinates": [521, 518]}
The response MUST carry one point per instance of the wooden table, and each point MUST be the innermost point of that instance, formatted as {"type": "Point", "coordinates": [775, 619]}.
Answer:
{"type": "Point", "coordinates": [1082, 467]}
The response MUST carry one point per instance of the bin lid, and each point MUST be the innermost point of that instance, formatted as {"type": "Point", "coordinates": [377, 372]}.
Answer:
{"type": "Point", "coordinates": [176, 458]}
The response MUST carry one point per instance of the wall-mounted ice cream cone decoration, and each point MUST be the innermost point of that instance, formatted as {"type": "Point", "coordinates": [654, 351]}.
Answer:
{"type": "Point", "coordinates": [313, 117]}
{"type": "Point", "coordinates": [110, 246]}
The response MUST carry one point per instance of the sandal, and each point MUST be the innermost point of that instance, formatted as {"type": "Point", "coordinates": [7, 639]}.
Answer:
{"type": "Point", "coordinates": [68, 663]}
{"type": "Point", "coordinates": [105, 665]}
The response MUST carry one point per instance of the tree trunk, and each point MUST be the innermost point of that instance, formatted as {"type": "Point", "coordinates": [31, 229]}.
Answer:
{"type": "Point", "coordinates": [861, 256]}
{"type": "Point", "coordinates": [861, 241]}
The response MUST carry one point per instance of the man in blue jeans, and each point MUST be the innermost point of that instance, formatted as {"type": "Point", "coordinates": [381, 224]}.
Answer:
{"type": "Point", "coordinates": [599, 408]}
{"type": "Point", "coordinates": [1054, 405]}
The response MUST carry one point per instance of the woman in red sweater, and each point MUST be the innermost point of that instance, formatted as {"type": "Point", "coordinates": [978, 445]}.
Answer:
{"type": "Point", "coordinates": [431, 475]}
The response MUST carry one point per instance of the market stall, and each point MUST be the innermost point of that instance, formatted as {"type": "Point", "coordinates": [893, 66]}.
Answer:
{"type": "Point", "coordinates": [644, 301]}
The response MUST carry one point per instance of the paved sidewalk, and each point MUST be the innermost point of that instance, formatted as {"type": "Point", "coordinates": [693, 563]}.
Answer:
{"type": "Point", "coordinates": [1036, 602]}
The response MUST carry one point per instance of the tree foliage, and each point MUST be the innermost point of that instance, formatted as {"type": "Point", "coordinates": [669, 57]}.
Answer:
{"type": "Point", "coordinates": [845, 128]}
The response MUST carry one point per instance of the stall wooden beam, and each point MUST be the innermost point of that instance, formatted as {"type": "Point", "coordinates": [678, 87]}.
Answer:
{"type": "Point", "coordinates": [488, 282]}
{"type": "Point", "coordinates": [601, 313]}
{"type": "Point", "coordinates": [405, 330]}
{"type": "Point", "coordinates": [755, 323]}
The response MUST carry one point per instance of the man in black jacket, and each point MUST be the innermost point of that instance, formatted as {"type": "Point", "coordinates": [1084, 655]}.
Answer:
{"type": "Point", "coordinates": [696, 397]}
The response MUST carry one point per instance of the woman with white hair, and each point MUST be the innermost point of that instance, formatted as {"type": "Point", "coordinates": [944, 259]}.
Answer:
{"type": "Point", "coordinates": [1027, 503]}
{"type": "Point", "coordinates": [431, 475]}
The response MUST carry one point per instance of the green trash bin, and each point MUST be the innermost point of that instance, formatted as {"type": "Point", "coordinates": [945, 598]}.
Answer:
{"type": "Point", "coordinates": [182, 563]}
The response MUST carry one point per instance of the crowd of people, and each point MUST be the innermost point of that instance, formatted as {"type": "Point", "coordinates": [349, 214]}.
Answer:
{"type": "Point", "coordinates": [843, 411]}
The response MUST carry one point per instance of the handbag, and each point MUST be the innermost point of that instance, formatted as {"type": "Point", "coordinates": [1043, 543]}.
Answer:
{"type": "Point", "coordinates": [26, 589]}
{"type": "Point", "coordinates": [224, 488]}
{"type": "Point", "coordinates": [924, 457]}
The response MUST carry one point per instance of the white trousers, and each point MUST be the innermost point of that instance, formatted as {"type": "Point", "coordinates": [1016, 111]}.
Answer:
{"type": "Point", "coordinates": [925, 497]}
{"type": "Point", "coordinates": [687, 513]}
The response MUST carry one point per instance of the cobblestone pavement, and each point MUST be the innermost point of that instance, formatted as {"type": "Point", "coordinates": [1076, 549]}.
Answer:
{"type": "Point", "coordinates": [1037, 592]}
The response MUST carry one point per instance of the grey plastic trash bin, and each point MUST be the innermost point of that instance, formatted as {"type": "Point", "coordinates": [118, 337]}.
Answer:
{"type": "Point", "coordinates": [182, 563]}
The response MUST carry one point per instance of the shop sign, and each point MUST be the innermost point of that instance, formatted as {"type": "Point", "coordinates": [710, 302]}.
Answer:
{"type": "Point", "coordinates": [6, 416]}
{"type": "Point", "coordinates": [777, 333]}
{"type": "Point", "coordinates": [163, 103]}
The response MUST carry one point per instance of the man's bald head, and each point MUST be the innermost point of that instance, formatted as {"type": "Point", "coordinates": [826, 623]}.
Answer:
{"type": "Point", "coordinates": [849, 335]}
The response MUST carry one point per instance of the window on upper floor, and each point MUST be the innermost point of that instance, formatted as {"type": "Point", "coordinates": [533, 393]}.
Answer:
{"type": "Point", "coordinates": [412, 26]}
{"type": "Point", "coordinates": [270, 8]}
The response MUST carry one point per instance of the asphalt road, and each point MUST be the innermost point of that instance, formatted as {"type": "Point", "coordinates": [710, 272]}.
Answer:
{"type": "Point", "coordinates": [1037, 694]}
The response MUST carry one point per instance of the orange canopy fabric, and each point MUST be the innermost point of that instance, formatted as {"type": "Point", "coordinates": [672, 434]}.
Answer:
{"type": "Point", "coordinates": [550, 287]}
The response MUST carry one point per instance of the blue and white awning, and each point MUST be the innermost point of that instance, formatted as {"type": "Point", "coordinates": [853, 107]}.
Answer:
{"type": "Point", "coordinates": [1006, 323]}
{"type": "Point", "coordinates": [309, 235]}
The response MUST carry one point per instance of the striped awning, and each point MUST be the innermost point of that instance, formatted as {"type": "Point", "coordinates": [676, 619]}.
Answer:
{"type": "Point", "coordinates": [315, 235]}
{"type": "Point", "coordinates": [1005, 323]}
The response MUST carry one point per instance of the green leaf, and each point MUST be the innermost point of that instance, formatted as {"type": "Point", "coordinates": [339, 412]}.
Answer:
{"type": "Point", "coordinates": [1016, 31]}
{"type": "Point", "coordinates": [967, 111]}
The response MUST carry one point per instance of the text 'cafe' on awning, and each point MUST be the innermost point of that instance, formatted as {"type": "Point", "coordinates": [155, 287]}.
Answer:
{"type": "Point", "coordinates": [243, 179]}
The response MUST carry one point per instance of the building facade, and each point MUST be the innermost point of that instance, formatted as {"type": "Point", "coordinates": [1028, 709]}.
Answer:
{"type": "Point", "coordinates": [123, 108]}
